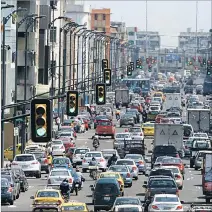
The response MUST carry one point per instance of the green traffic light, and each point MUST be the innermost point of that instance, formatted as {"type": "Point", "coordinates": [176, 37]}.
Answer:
{"type": "Point", "coordinates": [137, 66]}
{"type": "Point", "coordinates": [141, 67]}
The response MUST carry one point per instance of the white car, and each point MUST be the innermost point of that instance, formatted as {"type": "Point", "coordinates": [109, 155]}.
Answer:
{"type": "Point", "coordinates": [102, 163]}
{"type": "Point", "coordinates": [201, 135]}
{"type": "Point", "coordinates": [136, 133]}
{"type": "Point", "coordinates": [79, 154]}
{"type": "Point", "coordinates": [119, 139]}
{"type": "Point", "coordinates": [64, 134]}
{"type": "Point", "coordinates": [57, 175]}
{"type": "Point", "coordinates": [58, 150]}
{"type": "Point", "coordinates": [131, 164]}
{"type": "Point", "coordinates": [128, 208]}
{"type": "Point", "coordinates": [165, 202]}
{"type": "Point", "coordinates": [176, 120]}
{"type": "Point", "coordinates": [28, 163]}
{"type": "Point", "coordinates": [108, 153]}
{"type": "Point", "coordinates": [154, 108]}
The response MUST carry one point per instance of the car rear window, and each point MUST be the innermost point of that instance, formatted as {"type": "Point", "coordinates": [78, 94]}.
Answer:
{"type": "Point", "coordinates": [47, 194]}
{"type": "Point", "coordinates": [172, 160]}
{"type": "Point", "coordinates": [127, 201]}
{"type": "Point", "coordinates": [59, 173]}
{"type": "Point", "coordinates": [122, 135]}
{"type": "Point", "coordinates": [8, 177]}
{"type": "Point", "coordinates": [73, 208]}
{"type": "Point", "coordinates": [104, 123]}
{"type": "Point", "coordinates": [125, 162]}
{"type": "Point", "coordinates": [134, 130]}
{"type": "Point", "coordinates": [166, 199]}
{"type": "Point", "coordinates": [164, 149]}
{"type": "Point", "coordinates": [57, 142]}
{"type": "Point", "coordinates": [60, 161]}
{"type": "Point", "coordinates": [39, 155]}
{"type": "Point", "coordinates": [106, 188]}
{"type": "Point", "coordinates": [24, 158]}
{"type": "Point", "coordinates": [118, 169]}
{"type": "Point", "coordinates": [4, 182]}
{"type": "Point", "coordinates": [96, 155]}
{"type": "Point", "coordinates": [162, 184]}
{"type": "Point", "coordinates": [161, 172]}
{"type": "Point", "coordinates": [81, 151]}
{"type": "Point", "coordinates": [134, 157]}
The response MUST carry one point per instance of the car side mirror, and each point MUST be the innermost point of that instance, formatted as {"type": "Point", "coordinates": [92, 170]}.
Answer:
{"type": "Point", "coordinates": [144, 186]}
{"type": "Point", "coordinates": [32, 197]}
{"type": "Point", "coordinates": [145, 182]}
{"type": "Point", "coordinates": [146, 175]}
{"type": "Point", "coordinates": [91, 186]}
{"type": "Point", "coordinates": [92, 189]}
{"type": "Point", "coordinates": [150, 151]}
{"type": "Point", "coordinates": [12, 185]}
{"type": "Point", "coordinates": [182, 202]}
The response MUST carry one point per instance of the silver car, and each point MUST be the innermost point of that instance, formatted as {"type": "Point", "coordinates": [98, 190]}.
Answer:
{"type": "Point", "coordinates": [119, 139]}
{"type": "Point", "coordinates": [102, 163]}
{"type": "Point", "coordinates": [79, 154]}
{"type": "Point", "coordinates": [136, 133]}
{"type": "Point", "coordinates": [199, 159]}
{"type": "Point", "coordinates": [108, 153]}
{"type": "Point", "coordinates": [131, 164]}
{"type": "Point", "coordinates": [56, 176]}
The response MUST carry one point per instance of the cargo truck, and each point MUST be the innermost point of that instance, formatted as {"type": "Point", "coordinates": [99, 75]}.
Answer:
{"type": "Point", "coordinates": [122, 95]}
{"type": "Point", "coordinates": [172, 100]}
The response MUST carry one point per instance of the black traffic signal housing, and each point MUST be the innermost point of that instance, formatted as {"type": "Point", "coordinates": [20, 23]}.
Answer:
{"type": "Point", "coordinates": [132, 66]}
{"type": "Point", "coordinates": [149, 68]}
{"type": "Point", "coordinates": [107, 77]}
{"type": "Point", "coordinates": [129, 70]}
{"type": "Point", "coordinates": [41, 120]}
{"type": "Point", "coordinates": [190, 63]}
{"type": "Point", "coordinates": [137, 63]}
{"type": "Point", "coordinates": [104, 64]}
{"type": "Point", "coordinates": [204, 62]}
{"type": "Point", "coordinates": [100, 94]}
{"type": "Point", "coordinates": [147, 60]}
{"type": "Point", "coordinates": [208, 62]}
{"type": "Point", "coordinates": [122, 76]}
{"type": "Point", "coordinates": [209, 71]}
{"type": "Point", "coordinates": [72, 98]}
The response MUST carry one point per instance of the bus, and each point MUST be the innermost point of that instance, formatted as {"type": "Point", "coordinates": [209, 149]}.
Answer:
{"type": "Point", "coordinates": [207, 88]}
{"type": "Point", "coordinates": [137, 85]}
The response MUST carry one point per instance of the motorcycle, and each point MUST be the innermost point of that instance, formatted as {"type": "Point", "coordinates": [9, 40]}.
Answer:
{"type": "Point", "coordinates": [65, 197]}
{"type": "Point", "coordinates": [76, 187]}
{"type": "Point", "coordinates": [93, 172]}
{"type": "Point", "coordinates": [95, 146]}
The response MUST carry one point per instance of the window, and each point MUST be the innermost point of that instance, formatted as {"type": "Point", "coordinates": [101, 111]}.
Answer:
{"type": "Point", "coordinates": [53, 67]}
{"type": "Point", "coordinates": [21, 71]}
{"type": "Point", "coordinates": [40, 76]}
{"type": "Point", "coordinates": [103, 29]}
{"type": "Point", "coordinates": [53, 34]}
{"type": "Point", "coordinates": [104, 17]}
{"type": "Point", "coordinates": [95, 28]}
{"type": "Point", "coordinates": [131, 33]}
{"type": "Point", "coordinates": [96, 16]}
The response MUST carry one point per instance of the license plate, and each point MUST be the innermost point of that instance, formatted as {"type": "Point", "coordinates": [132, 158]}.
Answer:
{"type": "Point", "coordinates": [107, 198]}
{"type": "Point", "coordinates": [25, 166]}
{"type": "Point", "coordinates": [77, 185]}
{"type": "Point", "coordinates": [166, 208]}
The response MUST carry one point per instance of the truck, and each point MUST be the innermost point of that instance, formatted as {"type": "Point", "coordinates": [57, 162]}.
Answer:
{"type": "Point", "coordinates": [207, 176]}
{"type": "Point", "coordinates": [172, 100]}
{"type": "Point", "coordinates": [169, 134]}
{"type": "Point", "coordinates": [199, 119]}
{"type": "Point", "coordinates": [122, 95]}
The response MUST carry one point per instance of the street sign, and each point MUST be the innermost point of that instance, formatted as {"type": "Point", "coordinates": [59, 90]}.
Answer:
{"type": "Point", "coordinates": [175, 133]}
{"type": "Point", "coordinates": [162, 133]}
{"type": "Point", "coordinates": [16, 131]}
{"type": "Point", "coordinates": [170, 98]}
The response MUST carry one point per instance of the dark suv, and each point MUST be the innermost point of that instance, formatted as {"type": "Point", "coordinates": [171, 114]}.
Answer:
{"type": "Point", "coordinates": [163, 150]}
{"type": "Point", "coordinates": [161, 172]}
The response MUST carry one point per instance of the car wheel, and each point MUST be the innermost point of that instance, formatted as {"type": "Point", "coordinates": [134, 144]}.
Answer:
{"type": "Point", "coordinates": [130, 185]}
{"type": "Point", "coordinates": [23, 189]}
{"type": "Point", "coordinates": [195, 168]}
{"type": "Point", "coordinates": [191, 165]}
{"type": "Point", "coordinates": [136, 178]}
{"type": "Point", "coordinates": [120, 126]}
{"type": "Point", "coordinates": [96, 210]}
{"type": "Point", "coordinates": [84, 170]}
{"type": "Point", "coordinates": [47, 171]}
{"type": "Point", "coordinates": [38, 175]}
{"type": "Point", "coordinates": [181, 187]}
{"type": "Point", "coordinates": [11, 202]}
{"type": "Point", "coordinates": [14, 198]}
{"type": "Point", "coordinates": [17, 196]}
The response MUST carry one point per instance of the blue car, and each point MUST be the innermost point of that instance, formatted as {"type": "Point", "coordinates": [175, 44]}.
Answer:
{"type": "Point", "coordinates": [139, 161]}
{"type": "Point", "coordinates": [124, 172]}
{"type": "Point", "coordinates": [62, 162]}
{"type": "Point", "coordinates": [7, 192]}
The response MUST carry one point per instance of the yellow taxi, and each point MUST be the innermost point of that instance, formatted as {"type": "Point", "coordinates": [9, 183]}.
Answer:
{"type": "Point", "coordinates": [148, 128]}
{"type": "Point", "coordinates": [159, 94]}
{"type": "Point", "coordinates": [74, 206]}
{"type": "Point", "coordinates": [47, 195]}
{"type": "Point", "coordinates": [8, 153]}
{"type": "Point", "coordinates": [115, 175]}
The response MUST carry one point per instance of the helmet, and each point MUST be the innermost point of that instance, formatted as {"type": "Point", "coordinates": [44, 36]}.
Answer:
{"type": "Point", "coordinates": [77, 169]}
{"type": "Point", "coordinates": [93, 158]}
{"type": "Point", "coordinates": [114, 154]}
{"type": "Point", "coordinates": [65, 180]}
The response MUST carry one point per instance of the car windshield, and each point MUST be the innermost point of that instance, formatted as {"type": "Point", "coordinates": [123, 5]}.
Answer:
{"type": "Point", "coordinates": [172, 160]}
{"type": "Point", "coordinates": [118, 168]}
{"type": "Point", "coordinates": [48, 194]}
{"type": "Point", "coordinates": [162, 184]}
{"type": "Point", "coordinates": [138, 130]}
{"type": "Point", "coordinates": [90, 155]}
{"type": "Point", "coordinates": [134, 157]}
{"type": "Point", "coordinates": [60, 161]}
{"type": "Point", "coordinates": [122, 135]}
{"type": "Point", "coordinates": [131, 209]}
{"type": "Point", "coordinates": [201, 145]}
{"type": "Point", "coordinates": [127, 201]}
{"type": "Point", "coordinates": [4, 182]}
{"type": "Point", "coordinates": [73, 208]}
{"type": "Point", "coordinates": [166, 199]}
{"type": "Point", "coordinates": [106, 188]}
{"type": "Point", "coordinates": [24, 158]}
{"type": "Point", "coordinates": [81, 151]}
{"type": "Point", "coordinates": [124, 162]}
{"type": "Point", "coordinates": [59, 173]}
{"type": "Point", "coordinates": [39, 155]}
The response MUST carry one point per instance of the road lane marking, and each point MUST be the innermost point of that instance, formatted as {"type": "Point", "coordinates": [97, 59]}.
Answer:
{"type": "Point", "coordinates": [12, 206]}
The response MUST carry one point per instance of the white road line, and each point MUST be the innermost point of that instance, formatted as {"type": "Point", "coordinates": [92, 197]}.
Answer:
{"type": "Point", "coordinates": [12, 206]}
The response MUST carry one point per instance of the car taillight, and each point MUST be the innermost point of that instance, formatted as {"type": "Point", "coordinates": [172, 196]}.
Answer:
{"type": "Point", "coordinates": [134, 168]}
{"type": "Point", "coordinates": [155, 207]}
{"type": "Point", "coordinates": [141, 162]}
{"type": "Point", "coordinates": [141, 134]}
{"type": "Point", "coordinates": [10, 189]}
{"type": "Point", "coordinates": [177, 156]}
{"type": "Point", "coordinates": [119, 182]}
{"type": "Point", "coordinates": [59, 202]}
{"type": "Point", "coordinates": [177, 176]}
{"type": "Point", "coordinates": [46, 161]}
{"type": "Point", "coordinates": [33, 163]}
{"type": "Point", "coordinates": [101, 160]}
{"type": "Point", "coordinates": [186, 147]}
{"type": "Point", "coordinates": [128, 175]}
{"type": "Point", "coordinates": [84, 161]}
{"type": "Point", "coordinates": [179, 207]}
{"type": "Point", "coordinates": [13, 163]}
{"type": "Point", "coordinates": [69, 165]}
{"type": "Point", "coordinates": [70, 180]}
{"type": "Point", "coordinates": [62, 147]}
{"type": "Point", "coordinates": [52, 166]}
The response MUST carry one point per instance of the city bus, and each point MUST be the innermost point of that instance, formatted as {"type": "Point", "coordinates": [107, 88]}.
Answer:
{"type": "Point", "coordinates": [141, 86]}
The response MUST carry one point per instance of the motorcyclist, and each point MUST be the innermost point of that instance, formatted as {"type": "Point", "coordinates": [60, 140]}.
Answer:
{"type": "Point", "coordinates": [78, 178]}
{"type": "Point", "coordinates": [144, 116]}
{"type": "Point", "coordinates": [117, 114]}
{"type": "Point", "coordinates": [65, 188]}
{"type": "Point", "coordinates": [96, 140]}
{"type": "Point", "coordinates": [112, 160]}
{"type": "Point", "coordinates": [93, 162]}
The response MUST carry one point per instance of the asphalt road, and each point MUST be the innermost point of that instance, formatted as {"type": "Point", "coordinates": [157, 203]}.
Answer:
{"type": "Point", "coordinates": [191, 192]}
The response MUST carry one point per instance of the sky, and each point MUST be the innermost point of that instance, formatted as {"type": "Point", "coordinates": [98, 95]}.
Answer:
{"type": "Point", "coordinates": [167, 17]}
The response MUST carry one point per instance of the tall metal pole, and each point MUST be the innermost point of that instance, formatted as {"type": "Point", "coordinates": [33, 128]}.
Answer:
{"type": "Point", "coordinates": [82, 66]}
{"type": "Point", "coordinates": [73, 82]}
{"type": "Point", "coordinates": [196, 31]}
{"type": "Point", "coordinates": [3, 91]}
{"type": "Point", "coordinates": [59, 83]}
{"type": "Point", "coordinates": [70, 55]}
{"type": "Point", "coordinates": [78, 37]}
{"type": "Point", "coordinates": [146, 29]}
{"type": "Point", "coordinates": [52, 61]}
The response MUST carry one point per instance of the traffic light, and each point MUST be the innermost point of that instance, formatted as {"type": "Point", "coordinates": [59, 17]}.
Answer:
{"type": "Point", "coordinates": [204, 61]}
{"type": "Point", "coordinates": [194, 59]}
{"type": "Point", "coordinates": [137, 63]}
{"type": "Point", "coordinates": [104, 64]}
{"type": "Point", "coordinates": [132, 66]}
{"type": "Point", "coordinates": [72, 103]}
{"type": "Point", "coordinates": [147, 60]}
{"type": "Point", "coordinates": [41, 120]}
{"type": "Point", "coordinates": [208, 62]}
{"type": "Point", "coordinates": [107, 77]}
{"type": "Point", "coordinates": [129, 71]}
{"type": "Point", "coordinates": [122, 76]}
{"type": "Point", "coordinates": [189, 63]}
{"type": "Point", "coordinates": [208, 71]}
{"type": "Point", "coordinates": [100, 94]}
{"type": "Point", "coordinates": [153, 61]}
{"type": "Point", "coordinates": [149, 68]}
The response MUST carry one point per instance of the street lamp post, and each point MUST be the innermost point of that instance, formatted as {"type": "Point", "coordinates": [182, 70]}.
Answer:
{"type": "Point", "coordinates": [4, 21]}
